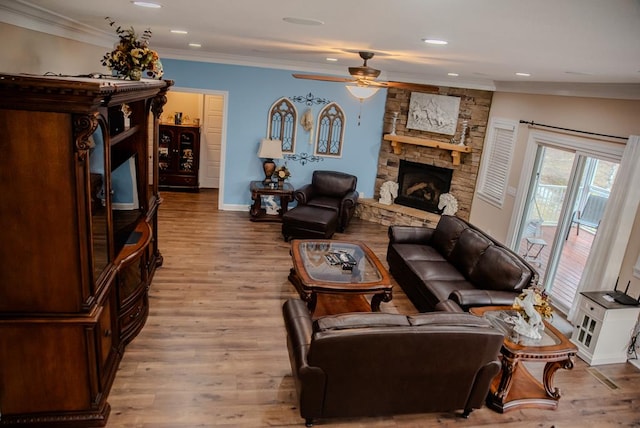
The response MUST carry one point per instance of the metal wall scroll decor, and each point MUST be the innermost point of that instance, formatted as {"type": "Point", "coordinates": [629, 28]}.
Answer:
{"type": "Point", "coordinates": [303, 158]}
{"type": "Point", "coordinates": [309, 99]}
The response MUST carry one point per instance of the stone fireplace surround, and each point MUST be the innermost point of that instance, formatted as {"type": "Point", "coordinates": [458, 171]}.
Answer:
{"type": "Point", "coordinates": [474, 107]}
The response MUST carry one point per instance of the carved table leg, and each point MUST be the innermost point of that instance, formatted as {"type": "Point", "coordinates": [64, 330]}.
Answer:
{"type": "Point", "coordinates": [379, 298]}
{"type": "Point", "coordinates": [305, 295]}
{"type": "Point", "coordinates": [257, 205]}
{"type": "Point", "coordinates": [549, 371]}
{"type": "Point", "coordinates": [509, 366]}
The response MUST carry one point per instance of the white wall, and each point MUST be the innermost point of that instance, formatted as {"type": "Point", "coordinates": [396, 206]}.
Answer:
{"type": "Point", "coordinates": [26, 51]}
{"type": "Point", "coordinates": [605, 116]}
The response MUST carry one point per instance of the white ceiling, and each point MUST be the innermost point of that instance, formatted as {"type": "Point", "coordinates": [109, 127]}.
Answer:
{"type": "Point", "coordinates": [560, 42]}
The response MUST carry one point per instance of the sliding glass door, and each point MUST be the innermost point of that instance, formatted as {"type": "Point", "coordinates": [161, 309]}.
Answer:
{"type": "Point", "coordinates": [567, 194]}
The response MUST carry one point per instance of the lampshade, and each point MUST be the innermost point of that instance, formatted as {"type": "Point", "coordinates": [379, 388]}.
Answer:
{"type": "Point", "coordinates": [270, 149]}
{"type": "Point", "coordinates": [362, 92]}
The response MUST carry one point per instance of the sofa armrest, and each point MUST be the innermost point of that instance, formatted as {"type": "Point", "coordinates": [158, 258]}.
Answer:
{"type": "Point", "coordinates": [310, 381]}
{"type": "Point", "coordinates": [410, 234]}
{"type": "Point", "coordinates": [299, 326]}
{"type": "Point", "coordinates": [469, 298]}
{"type": "Point", "coordinates": [350, 200]}
{"type": "Point", "coordinates": [448, 306]}
{"type": "Point", "coordinates": [303, 194]}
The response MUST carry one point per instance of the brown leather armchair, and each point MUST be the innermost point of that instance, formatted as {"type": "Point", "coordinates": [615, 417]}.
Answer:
{"type": "Point", "coordinates": [333, 190]}
{"type": "Point", "coordinates": [373, 364]}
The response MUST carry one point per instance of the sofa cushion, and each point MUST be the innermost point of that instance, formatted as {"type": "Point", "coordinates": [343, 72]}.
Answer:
{"type": "Point", "coordinates": [498, 269]}
{"type": "Point", "coordinates": [435, 270]}
{"type": "Point", "coordinates": [359, 320]}
{"type": "Point", "coordinates": [411, 252]}
{"type": "Point", "coordinates": [468, 249]}
{"type": "Point", "coordinates": [325, 202]}
{"type": "Point", "coordinates": [448, 319]}
{"type": "Point", "coordinates": [447, 233]}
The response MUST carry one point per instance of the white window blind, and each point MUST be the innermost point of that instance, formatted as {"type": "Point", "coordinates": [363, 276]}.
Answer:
{"type": "Point", "coordinates": [496, 161]}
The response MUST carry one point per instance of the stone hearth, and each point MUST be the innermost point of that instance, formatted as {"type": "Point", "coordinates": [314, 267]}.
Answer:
{"type": "Point", "coordinates": [372, 210]}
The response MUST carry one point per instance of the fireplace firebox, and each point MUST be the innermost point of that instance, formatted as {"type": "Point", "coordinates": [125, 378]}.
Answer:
{"type": "Point", "coordinates": [420, 185]}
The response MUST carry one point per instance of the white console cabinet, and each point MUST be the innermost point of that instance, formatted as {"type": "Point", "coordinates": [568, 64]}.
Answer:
{"type": "Point", "coordinates": [603, 329]}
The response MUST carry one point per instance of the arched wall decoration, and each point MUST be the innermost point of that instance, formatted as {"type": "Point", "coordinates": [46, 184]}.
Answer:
{"type": "Point", "coordinates": [282, 123]}
{"type": "Point", "coordinates": [330, 135]}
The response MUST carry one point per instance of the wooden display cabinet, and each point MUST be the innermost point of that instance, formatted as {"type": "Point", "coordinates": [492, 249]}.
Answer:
{"type": "Point", "coordinates": [79, 215]}
{"type": "Point", "coordinates": [179, 154]}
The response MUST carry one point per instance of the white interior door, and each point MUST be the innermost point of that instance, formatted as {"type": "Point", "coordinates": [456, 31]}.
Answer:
{"type": "Point", "coordinates": [210, 144]}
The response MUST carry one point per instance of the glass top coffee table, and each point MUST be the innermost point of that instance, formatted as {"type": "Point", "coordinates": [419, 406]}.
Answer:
{"type": "Point", "coordinates": [515, 386]}
{"type": "Point", "coordinates": [342, 273]}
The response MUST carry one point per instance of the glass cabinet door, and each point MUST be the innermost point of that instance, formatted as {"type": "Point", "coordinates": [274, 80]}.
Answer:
{"type": "Point", "coordinates": [187, 139]}
{"type": "Point", "coordinates": [98, 204]}
{"type": "Point", "coordinates": [164, 150]}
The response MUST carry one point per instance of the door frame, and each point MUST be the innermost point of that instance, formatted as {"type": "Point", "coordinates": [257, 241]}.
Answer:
{"type": "Point", "coordinates": [582, 147]}
{"type": "Point", "coordinates": [223, 136]}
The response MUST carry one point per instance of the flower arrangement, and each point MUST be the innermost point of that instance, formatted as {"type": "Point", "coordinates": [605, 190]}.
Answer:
{"type": "Point", "coordinates": [282, 173]}
{"type": "Point", "coordinates": [132, 55]}
{"type": "Point", "coordinates": [537, 297]}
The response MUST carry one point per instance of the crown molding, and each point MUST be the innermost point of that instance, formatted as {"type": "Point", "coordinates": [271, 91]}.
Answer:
{"type": "Point", "coordinates": [621, 91]}
{"type": "Point", "coordinates": [26, 15]}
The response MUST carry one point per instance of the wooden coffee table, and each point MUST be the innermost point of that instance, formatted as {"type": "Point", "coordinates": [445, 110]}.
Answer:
{"type": "Point", "coordinates": [515, 386]}
{"type": "Point", "coordinates": [330, 289]}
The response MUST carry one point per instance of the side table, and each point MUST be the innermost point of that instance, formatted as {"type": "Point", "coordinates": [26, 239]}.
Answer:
{"type": "Point", "coordinates": [258, 190]}
{"type": "Point", "coordinates": [515, 387]}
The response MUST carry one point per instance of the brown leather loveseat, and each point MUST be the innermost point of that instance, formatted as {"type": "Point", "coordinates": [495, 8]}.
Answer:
{"type": "Point", "coordinates": [455, 262]}
{"type": "Point", "coordinates": [373, 364]}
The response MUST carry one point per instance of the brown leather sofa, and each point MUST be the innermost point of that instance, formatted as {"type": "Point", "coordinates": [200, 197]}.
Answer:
{"type": "Point", "coordinates": [331, 190]}
{"type": "Point", "coordinates": [458, 262]}
{"type": "Point", "coordinates": [373, 364]}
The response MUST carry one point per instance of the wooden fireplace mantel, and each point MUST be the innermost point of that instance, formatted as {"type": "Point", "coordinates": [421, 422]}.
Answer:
{"type": "Point", "coordinates": [455, 149]}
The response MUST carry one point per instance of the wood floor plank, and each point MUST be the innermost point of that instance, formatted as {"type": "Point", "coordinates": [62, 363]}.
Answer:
{"type": "Point", "coordinates": [213, 352]}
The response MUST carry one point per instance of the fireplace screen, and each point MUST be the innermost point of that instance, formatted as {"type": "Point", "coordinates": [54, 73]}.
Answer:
{"type": "Point", "coordinates": [420, 185]}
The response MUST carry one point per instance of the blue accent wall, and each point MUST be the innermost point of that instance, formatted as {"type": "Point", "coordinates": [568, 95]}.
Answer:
{"type": "Point", "coordinates": [252, 91]}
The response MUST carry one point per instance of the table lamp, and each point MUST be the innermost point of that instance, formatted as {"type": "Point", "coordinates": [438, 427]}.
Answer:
{"type": "Point", "coordinates": [269, 150]}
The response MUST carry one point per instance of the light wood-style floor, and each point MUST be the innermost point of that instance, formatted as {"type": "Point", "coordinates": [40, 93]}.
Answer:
{"type": "Point", "coordinates": [213, 352]}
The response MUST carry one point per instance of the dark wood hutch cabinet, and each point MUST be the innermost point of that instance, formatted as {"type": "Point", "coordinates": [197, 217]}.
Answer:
{"type": "Point", "coordinates": [179, 154]}
{"type": "Point", "coordinates": [79, 247]}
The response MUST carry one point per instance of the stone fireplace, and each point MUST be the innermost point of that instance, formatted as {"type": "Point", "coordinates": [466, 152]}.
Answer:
{"type": "Point", "coordinates": [420, 185]}
{"type": "Point", "coordinates": [474, 108]}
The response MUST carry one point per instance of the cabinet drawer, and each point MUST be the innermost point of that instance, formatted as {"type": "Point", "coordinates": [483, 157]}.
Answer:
{"type": "Point", "coordinates": [591, 308]}
{"type": "Point", "coordinates": [132, 319]}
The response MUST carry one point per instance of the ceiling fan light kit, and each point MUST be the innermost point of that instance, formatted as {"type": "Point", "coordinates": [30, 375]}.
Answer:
{"type": "Point", "coordinates": [361, 92]}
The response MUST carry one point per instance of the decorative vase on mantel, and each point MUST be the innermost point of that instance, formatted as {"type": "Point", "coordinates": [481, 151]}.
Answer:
{"type": "Point", "coordinates": [281, 183]}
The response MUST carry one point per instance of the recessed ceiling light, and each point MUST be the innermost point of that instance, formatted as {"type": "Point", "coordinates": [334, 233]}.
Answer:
{"type": "Point", "coordinates": [579, 73]}
{"type": "Point", "coordinates": [523, 74]}
{"type": "Point", "coordinates": [195, 45]}
{"type": "Point", "coordinates": [435, 41]}
{"type": "Point", "coordinates": [302, 21]}
{"type": "Point", "coordinates": [179, 32]}
{"type": "Point", "coordinates": [453, 74]}
{"type": "Point", "coordinates": [332, 59]}
{"type": "Point", "coordinates": [147, 4]}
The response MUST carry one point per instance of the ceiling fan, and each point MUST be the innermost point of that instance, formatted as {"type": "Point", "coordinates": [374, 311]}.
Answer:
{"type": "Point", "coordinates": [364, 76]}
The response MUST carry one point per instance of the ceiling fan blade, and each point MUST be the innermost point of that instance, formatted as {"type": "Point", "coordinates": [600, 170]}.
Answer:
{"type": "Point", "coordinates": [412, 86]}
{"type": "Point", "coordinates": [323, 78]}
